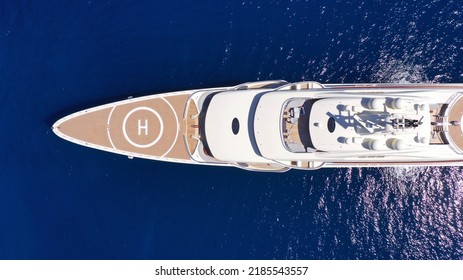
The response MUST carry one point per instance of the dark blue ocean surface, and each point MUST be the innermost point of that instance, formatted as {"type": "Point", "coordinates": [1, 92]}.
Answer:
{"type": "Point", "coordinates": [59, 200]}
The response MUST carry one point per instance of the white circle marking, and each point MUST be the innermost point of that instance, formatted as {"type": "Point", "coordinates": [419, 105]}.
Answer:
{"type": "Point", "coordinates": [155, 140]}
{"type": "Point", "coordinates": [176, 123]}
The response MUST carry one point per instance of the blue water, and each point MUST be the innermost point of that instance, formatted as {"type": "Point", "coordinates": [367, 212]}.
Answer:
{"type": "Point", "coordinates": [59, 200]}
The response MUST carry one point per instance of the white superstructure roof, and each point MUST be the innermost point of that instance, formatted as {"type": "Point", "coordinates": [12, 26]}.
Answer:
{"type": "Point", "coordinates": [352, 131]}
{"type": "Point", "coordinates": [225, 109]}
{"type": "Point", "coordinates": [354, 126]}
{"type": "Point", "coordinates": [268, 125]}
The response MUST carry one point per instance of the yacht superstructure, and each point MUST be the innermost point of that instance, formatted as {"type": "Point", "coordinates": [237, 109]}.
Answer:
{"type": "Point", "coordinates": [277, 126]}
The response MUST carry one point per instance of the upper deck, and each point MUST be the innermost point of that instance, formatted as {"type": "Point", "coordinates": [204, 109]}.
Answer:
{"type": "Point", "coordinates": [353, 124]}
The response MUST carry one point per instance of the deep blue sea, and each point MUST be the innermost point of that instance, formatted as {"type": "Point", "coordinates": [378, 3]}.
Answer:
{"type": "Point", "coordinates": [59, 200]}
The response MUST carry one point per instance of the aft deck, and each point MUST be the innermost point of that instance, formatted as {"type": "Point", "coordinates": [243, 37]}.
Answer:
{"type": "Point", "coordinates": [296, 125]}
{"type": "Point", "coordinates": [455, 114]}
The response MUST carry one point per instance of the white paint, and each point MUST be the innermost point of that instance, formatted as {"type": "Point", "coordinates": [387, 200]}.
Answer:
{"type": "Point", "coordinates": [108, 128]}
{"type": "Point", "coordinates": [143, 127]}
{"type": "Point", "coordinates": [176, 123]}
{"type": "Point", "coordinates": [161, 129]}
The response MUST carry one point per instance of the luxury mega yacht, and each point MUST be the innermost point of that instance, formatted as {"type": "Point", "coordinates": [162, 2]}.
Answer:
{"type": "Point", "coordinates": [277, 126]}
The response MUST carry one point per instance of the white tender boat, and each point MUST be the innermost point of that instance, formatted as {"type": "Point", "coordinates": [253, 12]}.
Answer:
{"type": "Point", "coordinates": [277, 126]}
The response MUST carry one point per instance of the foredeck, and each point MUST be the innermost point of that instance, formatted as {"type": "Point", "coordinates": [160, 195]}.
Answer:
{"type": "Point", "coordinates": [147, 127]}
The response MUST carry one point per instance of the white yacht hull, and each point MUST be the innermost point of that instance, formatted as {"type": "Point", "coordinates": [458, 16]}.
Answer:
{"type": "Point", "coordinates": [277, 126]}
